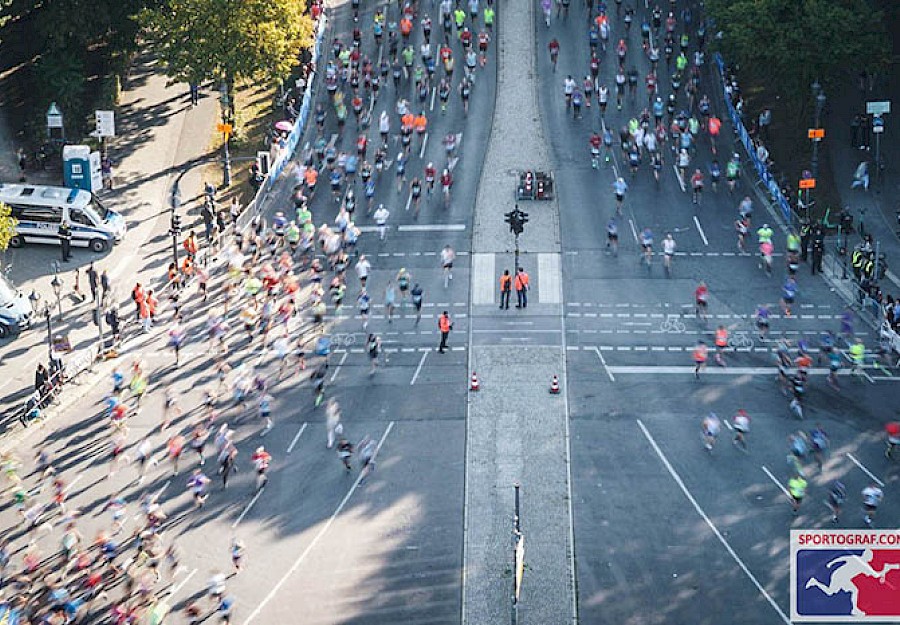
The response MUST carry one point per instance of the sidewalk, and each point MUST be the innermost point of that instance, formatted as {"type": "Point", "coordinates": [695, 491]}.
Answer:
{"type": "Point", "coordinates": [876, 208]}
{"type": "Point", "coordinates": [159, 136]}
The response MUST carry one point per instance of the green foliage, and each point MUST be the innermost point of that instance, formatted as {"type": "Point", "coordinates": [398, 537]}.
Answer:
{"type": "Point", "coordinates": [7, 226]}
{"type": "Point", "coordinates": [794, 42]}
{"type": "Point", "coordinates": [60, 77]}
{"type": "Point", "coordinates": [229, 40]}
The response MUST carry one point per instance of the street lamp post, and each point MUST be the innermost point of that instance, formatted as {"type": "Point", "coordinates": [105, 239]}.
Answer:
{"type": "Point", "coordinates": [819, 95]}
{"type": "Point", "coordinates": [49, 330]}
{"type": "Point", "coordinates": [56, 283]}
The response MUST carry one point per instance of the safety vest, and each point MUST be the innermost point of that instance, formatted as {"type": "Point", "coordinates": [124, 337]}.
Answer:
{"type": "Point", "coordinates": [700, 353]}
{"type": "Point", "coordinates": [857, 259]}
{"type": "Point", "coordinates": [521, 281]}
{"type": "Point", "coordinates": [444, 323]}
{"type": "Point", "coordinates": [721, 337]}
{"type": "Point", "coordinates": [857, 352]}
{"type": "Point", "coordinates": [793, 242]}
{"type": "Point", "coordinates": [869, 268]}
{"type": "Point", "coordinates": [505, 283]}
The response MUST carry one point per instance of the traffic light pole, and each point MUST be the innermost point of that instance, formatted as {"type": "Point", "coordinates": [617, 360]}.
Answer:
{"type": "Point", "coordinates": [516, 266]}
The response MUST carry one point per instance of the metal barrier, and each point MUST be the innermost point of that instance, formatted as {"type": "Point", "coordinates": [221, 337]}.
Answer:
{"type": "Point", "coordinates": [765, 177]}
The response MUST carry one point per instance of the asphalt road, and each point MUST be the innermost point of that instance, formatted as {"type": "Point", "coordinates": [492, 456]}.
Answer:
{"type": "Point", "coordinates": [646, 494]}
{"type": "Point", "coordinates": [318, 539]}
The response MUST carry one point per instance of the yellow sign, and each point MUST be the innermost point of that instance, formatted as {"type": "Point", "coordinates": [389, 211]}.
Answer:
{"type": "Point", "coordinates": [808, 183]}
{"type": "Point", "coordinates": [225, 129]}
{"type": "Point", "coordinates": [815, 133]}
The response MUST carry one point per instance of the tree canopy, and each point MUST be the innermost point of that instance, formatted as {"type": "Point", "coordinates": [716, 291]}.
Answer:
{"type": "Point", "coordinates": [795, 42]}
{"type": "Point", "coordinates": [229, 40]}
{"type": "Point", "coordinates": [7, 226]}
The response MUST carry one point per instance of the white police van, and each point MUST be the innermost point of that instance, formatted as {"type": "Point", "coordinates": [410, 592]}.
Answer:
{"type": "Point", "coordinates": [15, 309]}
{"type": "Point", "coordinates": [40, 210]}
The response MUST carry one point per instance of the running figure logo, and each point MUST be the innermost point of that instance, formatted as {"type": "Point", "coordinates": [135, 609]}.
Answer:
{"type": "Point", "coordinates": [850, 584]}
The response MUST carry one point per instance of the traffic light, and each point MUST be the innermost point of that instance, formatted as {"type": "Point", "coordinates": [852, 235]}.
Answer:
{"type": "Point", "coordinates": [516, 220]}
{"type": "Point", "coordinates": [175, 230]}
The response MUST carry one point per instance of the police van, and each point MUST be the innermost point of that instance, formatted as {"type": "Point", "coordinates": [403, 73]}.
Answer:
{"type": "Point", "coordinates": [40, 210]}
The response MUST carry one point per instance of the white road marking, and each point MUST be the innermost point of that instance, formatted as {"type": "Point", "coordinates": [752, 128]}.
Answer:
{"type": "Point", "coordinates": [181, 584]}
{"type": "Point", "coordinates": [297, 437]}
{"type": "Point", "coordinates": [633, 230]}
{"type": "Point", "coordinates": [247, 508]}
{"type": "Point", "coordinates": [432, 228]}
{"type": "Point", "coordinates": [433, 91]}
{"type": "Point", "coordinates": [777, 483]}
{"type": "Point", "coordinates": [483, 279]}
{"type": "Point", "coordinates": [700, 230]}
{"type": "Point", "coordinates": [609, 373]}
{"type": "Point", "coordinates": [864, 469]}
{"type": "Point", "coordinates": [679, 178]}
{"type": "Point", "coordinates": [324, 528]}
{"type": "Point", "coordinates": [338, 368]}
{"type": "Point", "coordinates": [549, 279]}
{"type": "Point", "coordinates": [712, 526]}
{"type": "Point", "coordinates": [408, 201]}
{"type": "Point", "coordinates": [419, 368]}
{"type": "Point", "coordinates": [424, 143]}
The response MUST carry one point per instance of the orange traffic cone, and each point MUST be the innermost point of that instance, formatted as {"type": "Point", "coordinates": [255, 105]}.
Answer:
{"type": "Point", "coordinates": [474, 385]}
{"type": "Point", "coordinates": [554, 385]}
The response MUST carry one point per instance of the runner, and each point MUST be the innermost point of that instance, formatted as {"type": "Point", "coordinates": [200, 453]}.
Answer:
{"type": "Point", "coordinates": [710, 428]}
{"type": "Point", "coordinates": [871, 496]}
{"type": "Point", "coordinates": [740, 422]}
{"type": "Point", "coordinates": [700, 356]}
{"type": "Point", "coordinates": [261, 460]}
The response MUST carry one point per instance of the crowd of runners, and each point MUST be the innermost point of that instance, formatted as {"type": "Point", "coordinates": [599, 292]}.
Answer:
{"type": "Point", "coordinates": [274, 288]}
{"type": "Point", "coordinates": [670, 113]}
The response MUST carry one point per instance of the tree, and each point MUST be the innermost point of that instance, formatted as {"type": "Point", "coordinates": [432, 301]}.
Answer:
{"type": "Point", "coordinates": [792, 43]}
{"type": "Point", "coordinates": [8, 225]}
{"type": "Point", "coordinates": [228, 40]}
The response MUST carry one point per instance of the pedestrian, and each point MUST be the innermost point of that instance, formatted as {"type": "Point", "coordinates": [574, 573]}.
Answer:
{"type": "Point", "coordinates": [106, 165]}
{"type": "Point", "coordinates": [237, 555]}
{"type": "Point", "coordinates": [818, 249]}
{"type": "Point", "coordinates": [381, 216]}
{"type": "Point", "coordinates": [93, 280]}
{"type": "Point", "coordinates": [763, 123]}
{"type": "Point", "coordinates": [332, 420]}
{"type": "Point", "coordinates": [363, 302]}
{"type": "Point", "coordinates": [367, 449]}
{"type": "Point", "coordinates": [505, 289]}
{"type": "Point", "coordinates": [855, 124]}
{"type": "Point", "coordinates": [797, 489]}
{"type": "Point", "coordinates": [363, 266]}
{"type": "Point", "coordinates": [836, 497]}
{"type": "Point", "coordinates": [194, 93]}
{"type": "Point", "coordinates": [373, 347]}
{"type": "Point", "coordinates": [345, 452]}
{"type": "Point", "coordinates": [444, 325]}
{"type": "Point", "coordinates": [137, 296]}
{"type": "Point", "coordinates": [417, 301]}
{"type": "Point", "coordinates": [872, 496]}
{"type": "Point", "coordinates": [390, 301]}
{"type": "Point", "coordinates": [105, 285]}
{"type": "Point", "coordinates": [521, 284]}
{"type": "Point", "coordinates": [65, 240]}
{"type": "Point", "coordinates": [112, 320]}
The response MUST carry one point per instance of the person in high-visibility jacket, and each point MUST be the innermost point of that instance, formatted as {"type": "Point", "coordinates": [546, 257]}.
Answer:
{"type": "Point", "coordinates": [505, 289]}
{"type": "Point", "coordinates": [190, 244]}
{"type": "Point", "coordinates": [444, 325]}
{"type": "Point", "coordinates": [797, 488]}
{"type": "Point", "coordinates": [521, 284]}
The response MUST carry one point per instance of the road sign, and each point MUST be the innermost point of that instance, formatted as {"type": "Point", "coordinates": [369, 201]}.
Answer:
{"type": "Point", "coordinates": [807, 183]}
{"type": "Point", "coordinates": [878, 124]}
{"type": "Point", "coordinates": [106, 124]}
{"type": "Point", "coordinates": [54, 116]}
{"type": "Point", "coordinates": [878, 108]}
{"type": "Point", "coordinates": [225, 129]}
{"type": "Point", "coordinates": [816, 133]}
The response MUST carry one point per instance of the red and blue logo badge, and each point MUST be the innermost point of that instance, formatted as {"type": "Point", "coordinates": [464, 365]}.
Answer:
{"type": "Point", "coordinates": [845, 575]}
